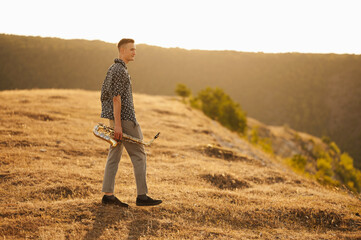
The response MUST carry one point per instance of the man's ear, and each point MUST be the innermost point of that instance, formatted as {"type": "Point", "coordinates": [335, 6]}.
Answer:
{"type": "Point", "coordinates": [123, 48]}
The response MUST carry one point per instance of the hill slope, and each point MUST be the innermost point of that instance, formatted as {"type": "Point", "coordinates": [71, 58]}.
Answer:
{"type": "Point", "coordinates": [52, 167]}
{"type": "Point", "coordinates": [314, 93]}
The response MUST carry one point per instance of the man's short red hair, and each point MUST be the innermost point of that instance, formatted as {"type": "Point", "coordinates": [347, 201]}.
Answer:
{"type": "Point", "coordinates": [124, 41]}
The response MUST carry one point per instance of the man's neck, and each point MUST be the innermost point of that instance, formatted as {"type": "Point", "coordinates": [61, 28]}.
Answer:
{"type": "Point", "coordinates": [124, 60]}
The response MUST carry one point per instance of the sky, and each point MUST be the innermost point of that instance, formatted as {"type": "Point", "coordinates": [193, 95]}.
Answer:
{"type": "Point", "coordinates": [270, 26]}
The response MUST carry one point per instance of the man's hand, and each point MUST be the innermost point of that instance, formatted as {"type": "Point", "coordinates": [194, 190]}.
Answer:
{"type": "Point", "coordinates": [118, 132]}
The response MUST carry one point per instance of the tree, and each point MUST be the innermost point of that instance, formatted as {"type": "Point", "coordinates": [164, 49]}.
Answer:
{"type": "Point", "coordinates": [183, 91]}
{"type": "Point", "coordinates": [216, 104]}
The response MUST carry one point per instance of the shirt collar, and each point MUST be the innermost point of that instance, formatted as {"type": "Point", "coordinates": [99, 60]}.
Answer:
{"type": "Point", "coordinates": [118, 60]}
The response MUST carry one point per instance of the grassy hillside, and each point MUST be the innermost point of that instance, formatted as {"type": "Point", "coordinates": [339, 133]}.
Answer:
{"type": "Point", "coordinates": [51, 170]}
{"type": "Point", "coordinates": [314, 93]}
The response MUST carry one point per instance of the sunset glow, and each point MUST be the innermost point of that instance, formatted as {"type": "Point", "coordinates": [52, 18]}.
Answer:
{"type": "Point", "coordinates": [253, 26]}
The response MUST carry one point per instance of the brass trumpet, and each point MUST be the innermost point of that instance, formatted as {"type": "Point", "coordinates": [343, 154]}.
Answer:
{"type": "Point", "coordinates": [107, 133]}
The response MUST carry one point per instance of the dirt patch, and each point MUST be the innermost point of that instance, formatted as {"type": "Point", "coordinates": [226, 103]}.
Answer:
{"type": "Point", "coordinates": [24, 101]}
{"type": "Point", "coordinates": [297, 181]}
{"type": "Point", "coordinates": [37, 116]}
{"type": "Point", "coordinates": [223, 153]}
{"type": "Point", "coordinates": [20, 228]}
{"type": "Point", "coordinates": [57, 97]}
{"type": "Point", "coordinates": [225, 181]}
{"type": "Point", "coordinates": [38, 178]}
{"type": "Point", "coordinates": [255, 180]}
{"type": "Point", "coordinates": [60, 192]}
{"type": "Point", "coordinates": [312, 217]}
{"type": "Point", "coordinates": [18, 143]}
{"type": "Point", "coordinates": [174, 126]}
{"type": "Point", "coordinates": [4, 175]}
{"type": "Point", "coordinates": [287, 218]}
{"type": "Point", "coordinates": [4, 144]}
{"type": "Point", "coordinates": [230, 198]}
{"type": "Point", "coordinates": [277, 179]}
{"type": "Point", "coordinates": [168, 113]}
{"type": "Point", "coordinates": [24, 179]}
{"type": "Point", "coordinates": [204, 131]}
{"type": "Point", "coordinates": [11, 132]}
{"type": "Point", "coordinates": [72, 152]}
{"type": "Point", "coordinates": [87, 153]}
{"type": "Point", "coordinates": [266, 180]}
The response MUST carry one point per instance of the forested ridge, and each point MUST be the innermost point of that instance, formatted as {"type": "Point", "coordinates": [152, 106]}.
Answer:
{"type": "Point", "coordinates": [314, 93]}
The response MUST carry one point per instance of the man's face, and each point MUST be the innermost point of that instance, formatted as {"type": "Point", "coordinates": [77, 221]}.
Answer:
{"type": "Point", "coordinates": [128, 51]}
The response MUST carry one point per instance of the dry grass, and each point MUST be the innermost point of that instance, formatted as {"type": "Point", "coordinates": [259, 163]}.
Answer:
{"type": "Point", "coordinates": [51, 170]}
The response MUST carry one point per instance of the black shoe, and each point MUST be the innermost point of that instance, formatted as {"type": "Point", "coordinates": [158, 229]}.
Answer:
{"type": "Point", "coordinates": [113, 200]}
{"type": "Point", "coordinates": [148, 202]}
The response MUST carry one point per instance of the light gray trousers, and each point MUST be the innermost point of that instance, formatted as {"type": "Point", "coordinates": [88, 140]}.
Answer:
{"type": "Point", "coordinates": [136, 153]}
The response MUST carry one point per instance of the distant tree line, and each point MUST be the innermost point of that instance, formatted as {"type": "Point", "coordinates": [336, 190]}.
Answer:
{"type": "Point", "coordinates": [314, 93]}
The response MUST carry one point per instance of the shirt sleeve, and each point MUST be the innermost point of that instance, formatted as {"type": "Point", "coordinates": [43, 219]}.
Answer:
{"type": "Point", "coordinates": [120, 83]}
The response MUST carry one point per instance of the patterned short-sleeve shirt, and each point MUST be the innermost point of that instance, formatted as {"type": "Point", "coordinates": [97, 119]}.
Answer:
{"type": "Point", "coordinates": [117, 82]}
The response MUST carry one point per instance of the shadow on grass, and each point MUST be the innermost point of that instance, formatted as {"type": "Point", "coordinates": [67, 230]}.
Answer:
{"type": "Point", "coordinates": [142, 227]}
{"type": "Point", "coordinates": [139, 222]}
{"type": "Point", "coordinates": [105, 217]}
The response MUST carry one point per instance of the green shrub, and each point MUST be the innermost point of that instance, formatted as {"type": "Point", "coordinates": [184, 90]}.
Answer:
{"type": "Point", "coordinates": [211, 100]}
{"type": "Point", "coordinates": [299, 162]}
{"type": "Point", "coordinates": [254, 135]}
{"type": "Point", "coordinates": [346, 163]}
{"type": "Point", "coordinates": [326, 140]}
{"type": "Point", "coordinates": [232, 117]}
{"type": "Point", "coordinates": [324, 167]}
{"type": "Point", "coordinates": [318, 151]}
{"type": "Point", "coordinates": [266, 145]}
{"type": "Point", "coordinates": [182, 90]}
{"type": "Point", "coordinates": [335, 148]}
{"type": "Point", "coordinates": [349, 175]}
{"type": "Point", "coordinates": [195, 102]}
{"type": "Point", "coordinates": [326, 180]}
{"type": "Point", "coordinates": [216, 104]}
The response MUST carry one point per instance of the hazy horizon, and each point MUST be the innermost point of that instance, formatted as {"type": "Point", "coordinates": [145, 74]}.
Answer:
{"type": "Point", "coordinates": [248, 26]}
{"type": "Point", "coordinates": [169, 47]}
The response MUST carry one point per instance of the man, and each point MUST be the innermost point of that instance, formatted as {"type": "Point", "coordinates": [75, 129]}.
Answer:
{"type": "Point", "coordinates": [118, 107]}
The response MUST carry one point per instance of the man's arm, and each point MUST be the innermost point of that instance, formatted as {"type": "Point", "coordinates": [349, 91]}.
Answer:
{"type": "Point", "coordinates": [117, 107]}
